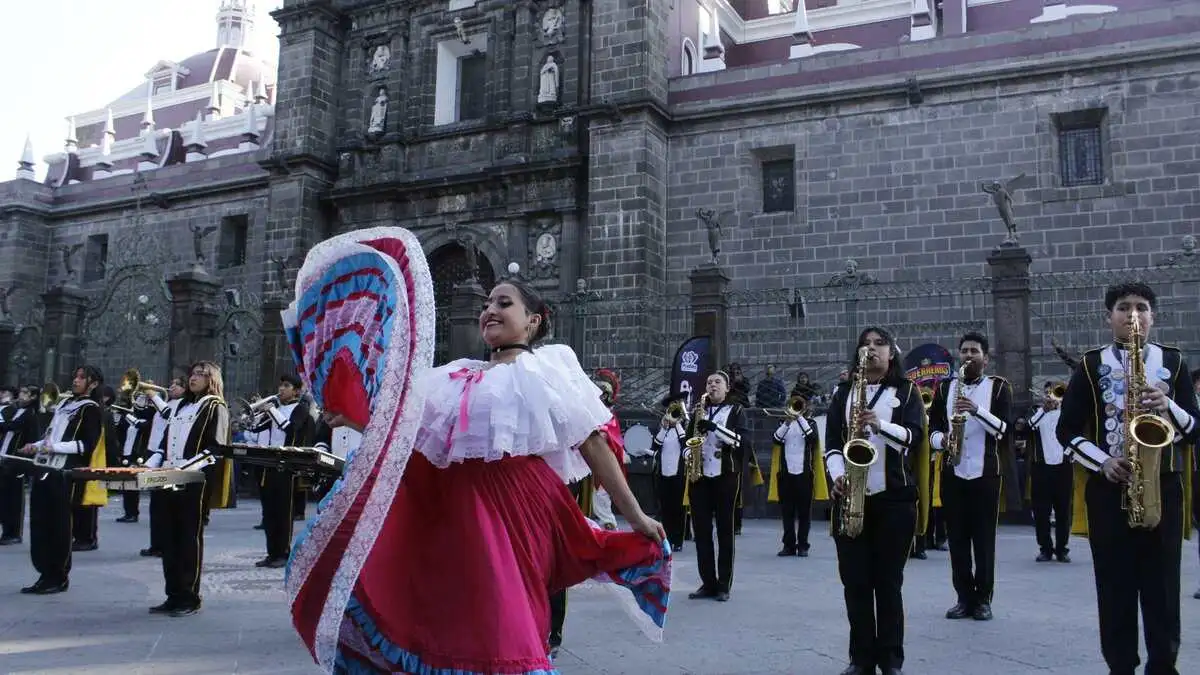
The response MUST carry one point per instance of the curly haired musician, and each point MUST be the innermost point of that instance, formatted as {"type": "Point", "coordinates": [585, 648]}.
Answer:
{"type": "Point", "coordinates": [288, 424]}
{"type": "Point", "coordinates": [75, 431]}
{"type": "Point", "coordinates": [19, 425]}
{"type": "Point", "coordinates": [1133, 566]}
{"type": "Point", "coordinates": [201, 420]}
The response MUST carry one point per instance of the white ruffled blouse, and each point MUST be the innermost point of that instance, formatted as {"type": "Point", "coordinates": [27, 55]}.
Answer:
{"type": "Point", "coordinates": [542, 404]}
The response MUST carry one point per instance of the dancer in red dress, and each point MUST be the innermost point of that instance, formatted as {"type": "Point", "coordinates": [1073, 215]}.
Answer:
{"type": "Point", "coordinates": [442, 560]}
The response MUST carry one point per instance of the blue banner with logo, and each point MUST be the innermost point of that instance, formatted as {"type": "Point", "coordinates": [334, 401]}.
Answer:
{"type": "Point", "coordinates": [928, 364]}
{"type": "Point", "coordinates": [691, 367]}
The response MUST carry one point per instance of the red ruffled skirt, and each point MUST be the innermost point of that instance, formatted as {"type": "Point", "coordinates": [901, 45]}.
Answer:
{"type": "Point", "coordinates": [461, 573]}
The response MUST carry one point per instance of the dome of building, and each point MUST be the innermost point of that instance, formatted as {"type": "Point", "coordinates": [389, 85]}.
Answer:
{"type": "Point", "coordinates": [233, 64]}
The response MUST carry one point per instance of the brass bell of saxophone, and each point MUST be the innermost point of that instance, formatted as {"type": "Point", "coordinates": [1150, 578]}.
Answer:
{"type": "Point", "coordinates": [1145, 437]}
{"type": "Point", "coordinates": [958, 421]}
{"type": "Point", "coordinates": [695, 442]}
{"type": "Point", "coordinates": [926, 398]}
{"type": "Point", "coordinates": [859, 454]}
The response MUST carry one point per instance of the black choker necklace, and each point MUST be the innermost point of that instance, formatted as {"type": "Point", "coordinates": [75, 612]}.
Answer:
{"type": "Point", "coordinates": [500, 348]}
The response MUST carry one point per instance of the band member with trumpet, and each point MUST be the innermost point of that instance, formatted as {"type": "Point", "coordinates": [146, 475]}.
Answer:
{"type": "Point", "coordinates": [1051, 478]}
{"type": "Point", "coordinates": [1129, 417]}
{"type": "Point", "coordinates": [18, 426]}
{"type": "Point", "coordinates": [793, 468]}
{"type": "Point", "coordinates": [154, 451]}
{"type": "Point", "coordinates": [668, 455]}
{"type": "Point", "coordinates": [713, 460]}
{"type": "Point", "coordinates": [133, 427]}
{"type": "Point", "coordinates": [875, 429]}
{"type": "Point", "coordinates": [200, 421]}
{"type": "Point", "coordinates": [75, 431]}
{"type": "Point", "coordinates": [969, 423]}
{"type": "Point", "coordinates": [289, 424]}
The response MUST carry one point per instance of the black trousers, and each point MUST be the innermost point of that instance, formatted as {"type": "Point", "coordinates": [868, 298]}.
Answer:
{"type": "Point", "coordinates": [300, 500]}
{"type": "Point", "coordinates": [670, 507]}
{"type": "Point", "coordinates": [558, 617]}
{"type": "Point", "coordinates": [871, 567]}
{"type": "Point", "coordinates": [278, 492]}
{"type": "Point", "coordinates": [86, 524]}
{"type": "Point", "coordinates": [132, 500]}
{"type": "Point", "coordinates": [158, 524]}
{"type": "Point", "coordinates": [713, 502]}
{"type": "Point", "coordinates": [1052, 486]}
{"type": "Point", "coordinates": [181, 514]}
{"type": "Point", "coordinates": [1132, 567]}
{"type": "Point", "coordinates": [795, 506]}
{"type": "Point", "coordinates": [972, 509]}
{"type": "Point", "coordinates": [12, 502]}
{"type": "Point", "coordinates": [50, 525]}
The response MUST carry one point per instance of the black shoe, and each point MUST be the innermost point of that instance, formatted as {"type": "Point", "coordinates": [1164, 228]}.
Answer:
{"type": "Point", "coordinates": [802, 553]}
{"type": "Point", "coordinates": [722, 596]}
{"type": "Point", "coordinates": [892, 671]}
{"type": "Point", "coordinates": [37, 586]}
{"type": "Point", "coordinates": [858, 670]}
{"type": "Point", "coordinates": [127, 519]}
{"type": "Point", "coordinates": [184, 611]}
{"type": "Point", "coordinates": [918, 554]}
{"type": "Point", "coordinates": [1063, 557]}
{"type": "Point", "coordinates": [958, 611]}
{"type": "Point", "coordinates": [702, 593]}
{"type": "Point", "coordinates": [1044, 556]}
{"type": "Point", "coordinates": [553, 653]}
{"type": "Point", "coordinates": [51, 589]}
{"type": "Point", "coordinates": [150, 553]}
{"type": "Point", "coordinates": [786, 552]}
{"type": "Point", "coordinates": [1196, 595]}
{"type": "Point", "coordinates": [982, 613]}
{"type": "Point", "coordinates": [80, 546]}
{"type": "Point", "coordinates": [260, 526]}
{"type": "Point", "coordinates": [165, 608]}
{"type": "Point", "coordinates": [9, 540]}
{"type": "Point", "coordinates": [274, 563]}
{"type": "Point", "coordinates": [264, 562]}
{"type": "Point", "coordinates": [939, 546]}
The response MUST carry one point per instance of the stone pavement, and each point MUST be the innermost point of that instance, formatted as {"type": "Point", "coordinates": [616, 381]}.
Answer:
{"type": "Point", "coordinates": [786, 615]}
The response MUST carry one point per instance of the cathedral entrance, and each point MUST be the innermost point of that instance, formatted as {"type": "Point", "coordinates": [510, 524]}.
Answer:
{"type": "Point", "coordinates": [449, 267]}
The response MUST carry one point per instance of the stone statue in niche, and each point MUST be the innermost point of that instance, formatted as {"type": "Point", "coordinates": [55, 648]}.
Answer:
{"type": "Point", "coordinates": [548, 82]}
{"type": "Point", "coordinates": [546, 248]}
{"type": "Point", "coordinates": [713, 223]}
{"type": "Point", "coordinates": [379, 112]}
{"type": "Point", "coordinates": [381, 58]}
{"type": "Point", "coordinates": [553, 22]}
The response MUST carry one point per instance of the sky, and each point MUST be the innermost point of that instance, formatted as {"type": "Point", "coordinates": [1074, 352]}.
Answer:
{"type": "Point", "coordinates": [65, 57]}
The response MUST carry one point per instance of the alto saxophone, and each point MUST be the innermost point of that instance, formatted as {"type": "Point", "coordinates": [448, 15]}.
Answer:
{"type": "Point", "coordinates": [858, 454]}
{"type": "Point", "coordinates": [958, 421]}
{"type": "Point", "coordinates": [1145, 437]}
{"type": "Point", "coordinates": [694, 468]}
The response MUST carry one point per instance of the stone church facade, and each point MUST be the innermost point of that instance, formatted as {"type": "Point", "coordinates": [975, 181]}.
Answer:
{"type": "Point", "coordinates": [837, 156]}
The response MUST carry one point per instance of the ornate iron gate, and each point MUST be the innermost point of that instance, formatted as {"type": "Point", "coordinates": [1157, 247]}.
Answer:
{"type": "Point", "coordinates": [239, 334]}
{"type": "Point", "coordinates": [128, 325]}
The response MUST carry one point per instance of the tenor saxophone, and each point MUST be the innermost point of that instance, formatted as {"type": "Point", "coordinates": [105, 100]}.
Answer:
{"type": "Point", "coordinates": [1145, 437]}
{"type": "Point", "coordinates": [695, 456]}
{"type": "Point", "coordinates": [958, 421]}
{"type": "Point", "coordinates": [858, 454]}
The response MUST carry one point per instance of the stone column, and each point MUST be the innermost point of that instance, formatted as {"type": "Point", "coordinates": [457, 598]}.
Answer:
{"type": "Point", "coordinates": [710, 310]}
{"type": "Point", "coordinates": [464, 320]}
{"type": "Point", "coordinates": [65, 307]}
{"type": "Point", "coordinates": [8, 337]}
{"type": "Point", "coordinates": [193, 319]}
{"type": "Point", "coordinates": [276, 354]}
{"type": "Point", "coordinates": [1009, 268]}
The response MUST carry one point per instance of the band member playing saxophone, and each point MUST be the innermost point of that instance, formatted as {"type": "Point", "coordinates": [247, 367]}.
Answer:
{"type": "Point", "coordinates": [1129, 417]}
{"type": "Point", "coordinates": [875, 432]}
{"type": "Point", "coordinates": [717, 436]}
{"type": "Point", "coordinates": [969, 422]}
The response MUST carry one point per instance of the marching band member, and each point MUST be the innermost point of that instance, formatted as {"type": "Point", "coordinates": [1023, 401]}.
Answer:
{"type": "Point", "coordinates": [971, 487]}
{"type": "Point", "coordinates": [1134, 566]}
{"type": "Point", "coordinates": [871, 561]}
{"type": "Point", "coordinates": [76, 431]}
{"type": "Point", "coordinates": [668, 452]}
{"type": "Point", "coordinates": [86, 526]}
{"type": "Point", "coordinates": [19, 425]}
{"type": "Point", "coordinates": [135, 427]}
{"type": "Point", "coordinates": [337, 440]}
{"type": "Point", "coordinates": [714, 496]}
{"type": "Point", "coordinates": [1052, 480]}
{"type": "Point", "coordinates": [201, 420]}
{"type": "Point", "coordinates": [154, 456]}
{"type": "Point", "coordinates": [288, 424]}
{"type": "Point", "coordinates": [793, 468]}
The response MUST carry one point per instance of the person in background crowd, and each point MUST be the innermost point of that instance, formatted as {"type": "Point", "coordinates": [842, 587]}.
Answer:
{"type": "Point", "coordinates": [771, 391]}
{"type": "Point", "coordinates": [804, 387]}
{"type": "Point", "coordinates": [739, 386]}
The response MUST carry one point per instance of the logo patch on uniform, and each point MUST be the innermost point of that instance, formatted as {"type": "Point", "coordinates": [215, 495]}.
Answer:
{"type": "Point", "coordinates": [1104, 369]}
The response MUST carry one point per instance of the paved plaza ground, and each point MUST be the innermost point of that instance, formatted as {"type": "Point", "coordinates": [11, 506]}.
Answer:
{"type": "Point", "coordinates": [786, 614]}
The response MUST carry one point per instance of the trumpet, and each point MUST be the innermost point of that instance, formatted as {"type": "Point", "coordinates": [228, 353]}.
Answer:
{"type": "Point", "coordinates": [120, 408]}
{"type": "Point", "coordinates": [796, 407]}
{"type": "Point", "coordinates": [676, 413]}
{"type": "Point", "coordinates": [50, 397]}
{"type": "Point", "coordinates": [132, 381]}
{"type": "Point", "coordinates": [1057, 391]}
{"type": "Point", "coordinates": [264, 403]}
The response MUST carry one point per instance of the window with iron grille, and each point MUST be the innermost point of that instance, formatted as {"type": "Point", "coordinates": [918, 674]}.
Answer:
{"type": "Point", "coordinates": [779, 186]}
{"type": "Point", "coordinates": [472, 84]}
{"type": "Point", "coordinates": [231, 247]}
{"type": "Point", "coordinates": [1081, 156]}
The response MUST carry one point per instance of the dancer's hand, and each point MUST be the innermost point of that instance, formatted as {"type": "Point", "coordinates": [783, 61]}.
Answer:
{"type": "Point", "coordinates": [649, 527]}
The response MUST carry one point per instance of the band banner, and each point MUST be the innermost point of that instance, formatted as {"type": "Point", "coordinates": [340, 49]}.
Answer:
{"type": "Point", "coordinates": [691, 367]}
{"type": "Point", "coordinates": [928, 364]}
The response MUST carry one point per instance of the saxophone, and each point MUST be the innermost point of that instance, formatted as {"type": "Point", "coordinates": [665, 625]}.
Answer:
{"type": "Point", "coordinates": [1145, 437]}
{"type": "Point", "coordinates": [958, 421]}
{"type": "Point", "coordinates": [695, 457]}
{"type": "Point", "coordinates": [858, 454]}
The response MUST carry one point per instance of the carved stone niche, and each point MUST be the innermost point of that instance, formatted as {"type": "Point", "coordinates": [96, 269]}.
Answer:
{"type": "Point", "coordinates": [378, 56]}
{"type": "Point", "coordinates": [545, 239]}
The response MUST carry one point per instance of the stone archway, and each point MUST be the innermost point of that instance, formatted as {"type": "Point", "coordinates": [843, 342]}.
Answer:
{"type": "Point", "coordinates": [448, 267]}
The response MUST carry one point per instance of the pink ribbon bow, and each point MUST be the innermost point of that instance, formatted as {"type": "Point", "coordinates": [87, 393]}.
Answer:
{"type": "Point", "coordinates": [471, 377]}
